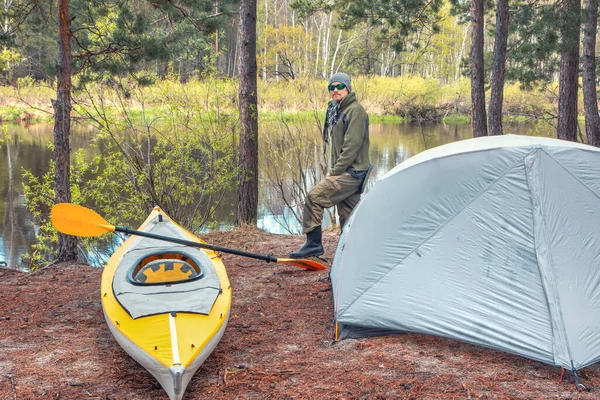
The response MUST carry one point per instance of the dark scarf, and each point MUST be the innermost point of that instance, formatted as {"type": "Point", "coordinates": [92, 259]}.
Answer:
{"type": "Point", "coordinates": [331, 117]}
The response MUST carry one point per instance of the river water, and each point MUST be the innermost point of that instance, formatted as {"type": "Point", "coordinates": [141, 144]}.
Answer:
{"type": "Point", "coordinates": [27, 147]}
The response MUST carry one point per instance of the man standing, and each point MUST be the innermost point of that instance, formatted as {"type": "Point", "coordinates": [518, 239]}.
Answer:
{"type": "Point", "coordinates": [347, 125]}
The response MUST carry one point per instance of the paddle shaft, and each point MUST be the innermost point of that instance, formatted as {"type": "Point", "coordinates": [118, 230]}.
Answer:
{"type": "Point", "coordinates": [191, 243]}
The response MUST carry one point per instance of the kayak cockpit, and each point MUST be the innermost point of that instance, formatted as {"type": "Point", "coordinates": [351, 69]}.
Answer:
{"type": "Point", "coordinates": [155, 277]}
{"type": "Point", "coordinates": [162, 268]}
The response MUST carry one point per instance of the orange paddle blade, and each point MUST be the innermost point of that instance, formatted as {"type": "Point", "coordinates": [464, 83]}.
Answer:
{"type": "Point", "coordinates": [75, 220]}
{"type": "Point", "coordinates": [302, 263]}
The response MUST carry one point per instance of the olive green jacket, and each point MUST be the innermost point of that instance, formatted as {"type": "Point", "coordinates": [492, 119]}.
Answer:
{"type": "Point", "coordinates": [350, 138]}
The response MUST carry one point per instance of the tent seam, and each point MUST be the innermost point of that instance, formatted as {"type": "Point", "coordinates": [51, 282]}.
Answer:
{"type": "Point", "coordinates": [556, 295]}
{"type": "Point", "coordinates": [535, 247]}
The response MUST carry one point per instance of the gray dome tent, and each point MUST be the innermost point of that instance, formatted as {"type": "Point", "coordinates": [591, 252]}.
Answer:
{"type": "Point", "coordinates": [494, 241]}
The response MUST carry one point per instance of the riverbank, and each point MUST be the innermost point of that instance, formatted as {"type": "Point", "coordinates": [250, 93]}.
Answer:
{"type": "Point", "coordinates": [398, 99]}
{"type": "Point", "coordinates": [55, 343]}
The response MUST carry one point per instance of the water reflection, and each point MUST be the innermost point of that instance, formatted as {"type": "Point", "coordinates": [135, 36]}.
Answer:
{"type": "Point", "coordinates": [24, 147]}
{"type": "Point", "coordinates": [28, 148]}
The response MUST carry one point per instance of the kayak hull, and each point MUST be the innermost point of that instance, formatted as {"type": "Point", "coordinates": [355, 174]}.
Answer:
{"type": "Point", "coordinates": [163, 375]}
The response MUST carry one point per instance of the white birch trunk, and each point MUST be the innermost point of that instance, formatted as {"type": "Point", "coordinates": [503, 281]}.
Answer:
{"type": "Point", "coordinates": [264, 50]}
{"type": "Point", "coordinates": [276, 25]}
{"type": "Point", "coordinates": [320, 31]}
{"type": "Point", "coordinates": [337, 47]}
{"type": "Point", "coordinates": [461, 54]}
{"type": "Point", "coordinates": [326, 47]}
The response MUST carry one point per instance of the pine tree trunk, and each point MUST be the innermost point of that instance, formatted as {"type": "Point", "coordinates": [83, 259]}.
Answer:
{"type": "Point", "coordinates": [590, 98]}
{"type": "Point", "coordinates": [498, 68]}
{"type": "Point", "coordinates": [569, 70]}
{"type": "Point", "coordinates": [247, 195]}
{"type": "Point", "coordinates": [67, 245]}
{"type": "Point", "coordinates": [477, 70]}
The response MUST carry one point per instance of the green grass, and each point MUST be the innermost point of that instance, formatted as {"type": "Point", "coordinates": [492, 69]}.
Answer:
{"type": "Point", "coordinates": [17, 114]}
{"type": "Point", "coordinates": [10, 113]}
{"type": "Point", "coordinates": [289, 116]}
{"type": "Point", "coordinates": [457, 119]}
{"type": "Point", "coordinates": [387, 119]}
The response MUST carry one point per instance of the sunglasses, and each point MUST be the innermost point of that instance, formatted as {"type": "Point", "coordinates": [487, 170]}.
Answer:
{"type": "Point", "coordinates": [339, 86]}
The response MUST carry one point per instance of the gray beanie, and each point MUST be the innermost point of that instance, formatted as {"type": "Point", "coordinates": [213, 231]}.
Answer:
{"type": "Point", "coordinates": [341, 78]}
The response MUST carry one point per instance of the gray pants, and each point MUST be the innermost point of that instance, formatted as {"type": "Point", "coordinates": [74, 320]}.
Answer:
{"type": "Point", "coordinates": [342, 191]}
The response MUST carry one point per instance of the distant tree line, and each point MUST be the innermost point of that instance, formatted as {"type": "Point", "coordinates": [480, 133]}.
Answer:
{"type": "Point", "coordinates": [528, 41]}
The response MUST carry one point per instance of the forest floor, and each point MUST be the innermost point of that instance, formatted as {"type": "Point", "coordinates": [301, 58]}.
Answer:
{"type": "Point", "coordinates": [54, 344]}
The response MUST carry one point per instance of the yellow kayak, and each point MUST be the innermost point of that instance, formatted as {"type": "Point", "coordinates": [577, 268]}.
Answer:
{"type": "Point", "coordinates": [166, 304]}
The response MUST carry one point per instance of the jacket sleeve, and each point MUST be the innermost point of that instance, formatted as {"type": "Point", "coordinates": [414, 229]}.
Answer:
{"type": "Point", "coordinates": [353, 141]}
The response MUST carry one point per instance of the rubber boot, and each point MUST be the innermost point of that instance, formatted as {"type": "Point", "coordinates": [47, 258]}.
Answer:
{"type": "Point", "coordinates": [313, 245]}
